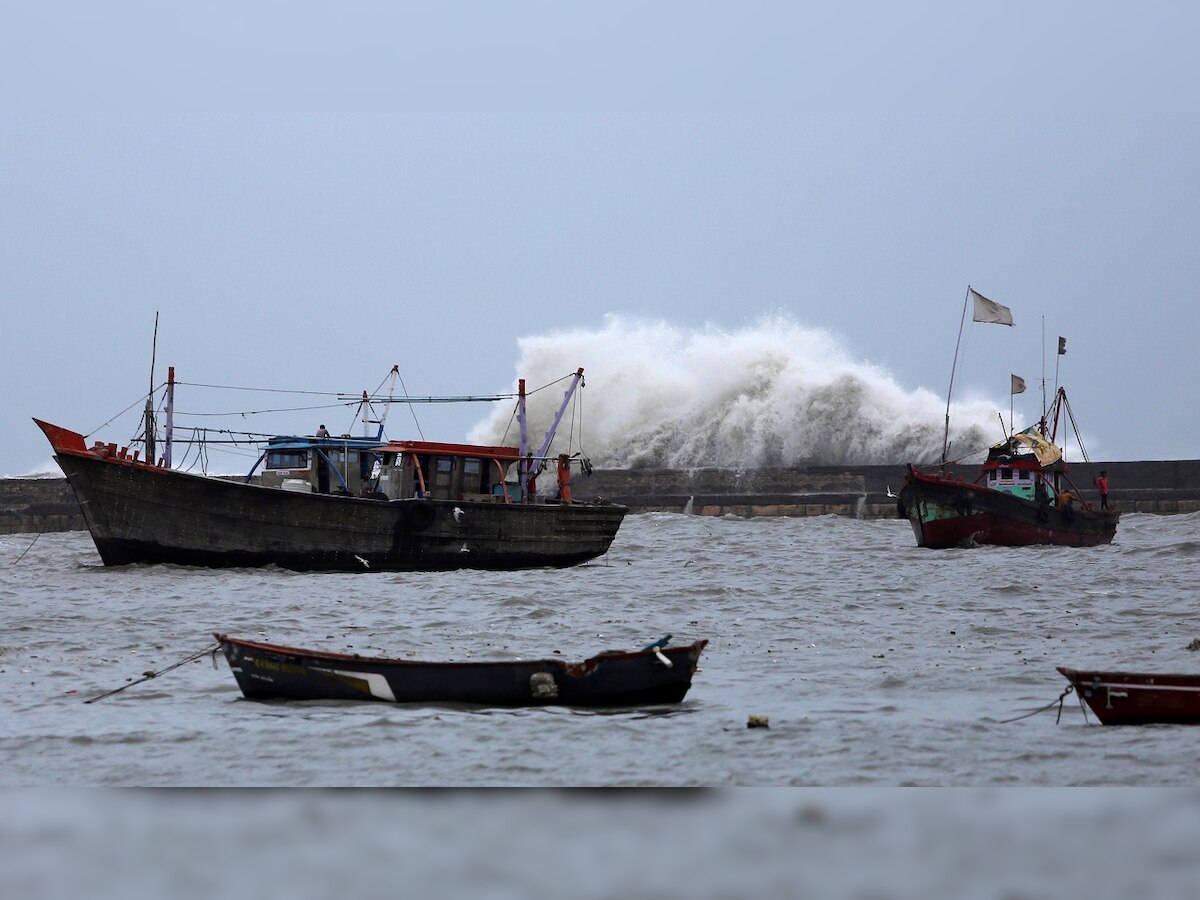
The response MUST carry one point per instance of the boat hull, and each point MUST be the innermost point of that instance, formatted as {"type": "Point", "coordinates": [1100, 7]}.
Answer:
{"type": "Point", "coordinates": [1138, 698]}
{"type": "Point", "coordinates": [270, 671]}
{"type": "Point", "coordinates": [948, 512]}
{"type": "Point", "coordinates": [138, 513]}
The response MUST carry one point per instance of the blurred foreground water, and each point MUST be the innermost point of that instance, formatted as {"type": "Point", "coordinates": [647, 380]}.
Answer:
{"type": "Point", "coordinates": [869, 843]}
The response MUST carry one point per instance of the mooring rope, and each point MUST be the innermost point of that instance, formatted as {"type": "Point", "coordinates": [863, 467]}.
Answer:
{"type": "Point", "coordinates": [26, 550]}
{"type": "Point", "coordinates": [1050, 705]}
{"type": "Point", "coordinates": [213, 648]}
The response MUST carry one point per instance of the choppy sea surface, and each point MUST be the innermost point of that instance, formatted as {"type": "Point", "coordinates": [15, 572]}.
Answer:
{"type": "Point", "coordinates": [876, 663]}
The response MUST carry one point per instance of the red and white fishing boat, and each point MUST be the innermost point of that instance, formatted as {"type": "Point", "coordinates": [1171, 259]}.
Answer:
{"type": "Point", "coordinates": [1138, 698]}
{"type": "Point", "coordinates": [1022, 494]}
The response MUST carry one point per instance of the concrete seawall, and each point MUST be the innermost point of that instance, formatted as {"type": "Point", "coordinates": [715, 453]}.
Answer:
{"type": "Point", "coordinates": [32, 505]}
{"type": "Point", "coordinates": [1165, 487]}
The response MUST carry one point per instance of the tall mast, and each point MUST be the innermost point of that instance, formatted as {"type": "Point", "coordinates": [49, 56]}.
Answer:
{"type": "Point", "coordinates": [1044, 407]}
{"type": "Point", "coordinates": [524, 429]}
{"type": "Point", "coordinates": [954, 365]}
{"type": "Point", "coordinates": [150, 448]}
{"type": "Point", "coordinates": [170, 416]}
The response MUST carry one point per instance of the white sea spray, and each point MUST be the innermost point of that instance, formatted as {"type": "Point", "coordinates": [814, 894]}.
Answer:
{"type": "Point", "coordinates": [774, 393]}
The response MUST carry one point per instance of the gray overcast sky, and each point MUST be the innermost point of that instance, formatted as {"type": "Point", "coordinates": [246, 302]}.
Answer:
{"type": "Point", "coordinates": [309, 195]}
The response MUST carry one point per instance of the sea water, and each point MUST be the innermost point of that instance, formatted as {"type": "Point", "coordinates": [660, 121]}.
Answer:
{"type": "Point", "coordinates": [875, 663]}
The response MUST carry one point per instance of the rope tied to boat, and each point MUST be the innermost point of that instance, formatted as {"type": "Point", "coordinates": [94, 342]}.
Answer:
{"type": "Point", "coordinates": [211, 649]}
{"type": "Point", "coordinates": [26, 550]}
{"type": "Point", "coordinates": [1050, 705]}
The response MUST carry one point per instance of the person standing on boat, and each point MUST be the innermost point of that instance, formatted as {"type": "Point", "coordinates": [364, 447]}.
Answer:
{"type": "Point", "coordinates": [1102, 484]}
{"type": "Point", "coordinates": [322, 431]}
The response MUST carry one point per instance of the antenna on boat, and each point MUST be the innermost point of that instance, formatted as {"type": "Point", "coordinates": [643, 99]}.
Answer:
{"type": "Point", "coordinates": [1062, 351]}
{"type": "Point", "coordinates": [149, 416]}
{"type": "Point", "coordinates": [1044, 408]}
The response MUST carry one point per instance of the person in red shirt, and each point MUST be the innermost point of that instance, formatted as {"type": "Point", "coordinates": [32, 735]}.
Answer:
{"type": "Point", "coordinates": [1102, 484]}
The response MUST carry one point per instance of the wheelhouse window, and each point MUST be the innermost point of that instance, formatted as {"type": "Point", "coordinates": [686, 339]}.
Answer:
{"type": "Point", "coordinates": [443, 471]}
{"type": "Point", "coordinates": [473, 480]}
{"type": "Point", "coordinates": [287, 459]}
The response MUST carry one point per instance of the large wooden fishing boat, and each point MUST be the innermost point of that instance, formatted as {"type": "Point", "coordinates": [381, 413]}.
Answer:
{"type": "Point", "coordinates": [338, 503]}
{"type": "Point", "coordinates": [1022, 495]}
{"type": "Point", "coordinates": [1137, 698]}
{"type": "Point", "coordinates": [655, 674]}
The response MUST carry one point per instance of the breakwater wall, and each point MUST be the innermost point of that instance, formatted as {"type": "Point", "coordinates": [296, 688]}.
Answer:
{"type": "Point", "coordinates": [32, 505]}
{"type": "Point", "coordinates": [1163, 487]}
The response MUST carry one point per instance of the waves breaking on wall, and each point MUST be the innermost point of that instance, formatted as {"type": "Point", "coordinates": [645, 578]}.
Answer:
{"type": "Point", "coordinates": [775, 393]}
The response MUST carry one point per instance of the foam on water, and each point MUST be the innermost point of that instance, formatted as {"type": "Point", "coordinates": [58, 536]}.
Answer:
{"type": "Point", "coordinates": [775, 393]}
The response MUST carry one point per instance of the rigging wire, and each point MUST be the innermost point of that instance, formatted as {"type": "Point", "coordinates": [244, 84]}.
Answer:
{"type": "Point", "coordinates": [230, 387]}
{"type": "Point", "coordinates": [260, 412]}
{"type": "Point", "coordinates": [117, 416]}
{"type": "Point", "coordinates": [411, 411]}
{"type": "Point", "coordinates": [196, 453]}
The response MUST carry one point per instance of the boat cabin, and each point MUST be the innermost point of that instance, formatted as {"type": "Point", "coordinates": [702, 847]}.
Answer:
{"type": "Point", "coordinates": [362, 467]}
{"type": "Point", "coordinates": [320, 465]}
{"type": "Point", "coordinates": [1024, 476]}
{"type": "Point", "coordinates": [447, 471]}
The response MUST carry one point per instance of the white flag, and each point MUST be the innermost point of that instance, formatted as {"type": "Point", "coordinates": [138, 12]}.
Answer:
{"type": "Point", "coordinates": [1018, 384]}
{"type": "Point", "coordinates": [987, 311]}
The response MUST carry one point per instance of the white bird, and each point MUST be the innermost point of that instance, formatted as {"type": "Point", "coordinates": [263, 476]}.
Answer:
{"type": "Point", "coordinates": [366, 565]}
{"type": "Point", "coordinates": [458, 514]}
